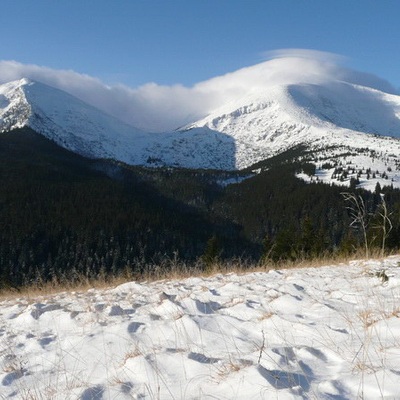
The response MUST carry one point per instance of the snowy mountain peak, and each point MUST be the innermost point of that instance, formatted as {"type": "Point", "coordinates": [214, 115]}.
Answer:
{"type": "Point", "coordinates": [341, 123]}
{"type": "Point", "coordinates": [15, 110]}
{"type": "Point", "coordinates": [66, 120]}
{"type": "Point", "coordinates": [345, 125]}
{"type": "Point", "coordinates": [23, 82]}
{"type": "Point", "coordinates": [16, 84]}
{"type": "Point", "coordinates": [333, 105]}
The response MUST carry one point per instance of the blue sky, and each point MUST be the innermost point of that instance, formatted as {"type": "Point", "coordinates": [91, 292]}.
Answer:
{"type": "Point", "coordinates": [187, 41]}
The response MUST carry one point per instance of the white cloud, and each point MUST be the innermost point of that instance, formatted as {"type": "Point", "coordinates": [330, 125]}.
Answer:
{"type": "Point", "coordinates": [159, 108]}
{"type": "Point", "coordinates": [330, 65]}
{"type": "Point", "coordinates": [322, 56]}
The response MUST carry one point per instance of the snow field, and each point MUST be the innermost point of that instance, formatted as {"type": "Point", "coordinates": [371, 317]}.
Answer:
{"type": "Point", "coordinates": [312, 333]}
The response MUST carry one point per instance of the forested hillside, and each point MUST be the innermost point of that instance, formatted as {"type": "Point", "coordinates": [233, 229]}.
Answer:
{"type": "Point", "coordinates": [62, 214]}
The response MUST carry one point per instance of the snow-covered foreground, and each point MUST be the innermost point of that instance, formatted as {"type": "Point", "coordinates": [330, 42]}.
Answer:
{"type": "Point", "coordinates": [313, 333]}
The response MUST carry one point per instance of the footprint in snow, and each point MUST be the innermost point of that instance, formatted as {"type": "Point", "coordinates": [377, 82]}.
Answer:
{"type": "Point", "coordinates": [316, 353]}
{"type": "Point", "coordinates": [166, 296]}
{"type": "Point", "coordinates": [40, 309]}
{"type": "Point", "coordinates": [283, 379]}
{"type": "Point", "coordinates": [134, 326]}
{"type": "Point", "coordinates": [253, 304]}
{"type": "Point", "coordinates": [99, 307]}
{"type": "Point", "coordinates": [207, 308]}
{"type": "Point", "coordinates": [201, 358]}
{"type": "Point", "coordinates": [93, 393]}
{"type": "Point", "coordinates": [118, 311]}
{"type": "Point", "coordinates": [12, 376]}
{"type": "Point", "coordinates": [46, 341]}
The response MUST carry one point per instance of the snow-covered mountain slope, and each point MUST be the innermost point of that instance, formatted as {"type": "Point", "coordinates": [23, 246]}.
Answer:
{"type": "Point", "coordinates": [342, 124]}
{"type": "Point", "coordinates": [268, 121]}
{"type": "Point", "coordinates": [345, 127]}
{"type": "Point", "coordinates": [68, 121]}
{"type": "Point", "coordinates": [88, 131]}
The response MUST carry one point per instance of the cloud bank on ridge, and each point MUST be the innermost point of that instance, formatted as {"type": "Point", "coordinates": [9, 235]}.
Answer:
{"type": "Point", "coordinates": [158, 108]}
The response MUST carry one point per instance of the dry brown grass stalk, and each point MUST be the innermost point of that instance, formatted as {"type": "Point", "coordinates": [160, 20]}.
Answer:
{"type": "Point", "coordinates": [174, 270]}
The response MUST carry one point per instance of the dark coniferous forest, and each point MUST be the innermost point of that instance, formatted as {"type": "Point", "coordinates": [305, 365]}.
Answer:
{"type": "Point", "coordinates": [62, 214]}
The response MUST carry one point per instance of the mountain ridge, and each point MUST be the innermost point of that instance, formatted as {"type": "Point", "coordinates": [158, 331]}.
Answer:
{"type": "Point", "coordinates": [63, 118]}
{"type": "Point", "coordinates": [330, 118]}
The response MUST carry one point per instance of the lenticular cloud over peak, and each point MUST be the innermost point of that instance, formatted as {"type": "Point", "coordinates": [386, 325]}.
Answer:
{"type": "Point", "coordinates": [323, 56]}
{"type": "Point", "coordinates": [311, 65]}
{"type": "Point", "coordinates": [158, 108]}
